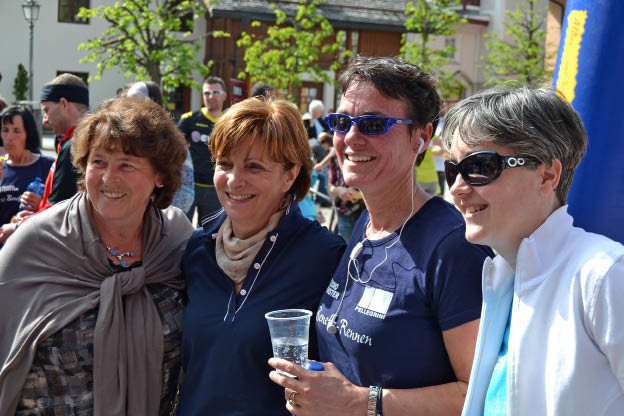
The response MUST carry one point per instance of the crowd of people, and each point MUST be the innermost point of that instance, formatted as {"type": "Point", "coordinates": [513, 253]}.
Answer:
{"type": "Point", "coordinates": [111, 303]}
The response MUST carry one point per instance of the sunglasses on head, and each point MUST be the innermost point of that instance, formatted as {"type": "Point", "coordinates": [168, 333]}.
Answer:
{"type": "Point", "coordinates": [481, 168]}
{"type": "Point", "coordinates": [369, 125]}
{"type": "Point", "coordinates": [214, 93]}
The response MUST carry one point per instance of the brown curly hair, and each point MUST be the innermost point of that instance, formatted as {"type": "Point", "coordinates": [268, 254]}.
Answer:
{"type": "Point", "coordinates": [139, 128]}
{"type": "Point", "coordinates": [274, 123]}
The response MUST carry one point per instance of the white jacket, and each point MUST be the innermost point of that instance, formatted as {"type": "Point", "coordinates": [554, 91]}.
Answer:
{"type": "Point", "coordinates": [566, 340]}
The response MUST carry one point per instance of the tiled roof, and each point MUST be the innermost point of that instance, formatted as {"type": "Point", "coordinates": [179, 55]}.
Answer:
{"type": "Point", "coordinates": [387, 14]}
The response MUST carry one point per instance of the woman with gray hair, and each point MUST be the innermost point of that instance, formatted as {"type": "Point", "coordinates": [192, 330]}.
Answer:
{"type": "Point", "coordinates": [313, 120]}
{"type": "Point", "coordinates": [550, 338]}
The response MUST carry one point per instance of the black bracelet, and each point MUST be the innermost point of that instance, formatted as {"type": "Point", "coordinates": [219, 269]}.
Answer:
{"type": "Point", "coordinates": [379, 409]}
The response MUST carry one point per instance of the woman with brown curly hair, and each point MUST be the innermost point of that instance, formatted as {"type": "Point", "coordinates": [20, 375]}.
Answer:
{"type": "Point", "coordinates": [90, 289]}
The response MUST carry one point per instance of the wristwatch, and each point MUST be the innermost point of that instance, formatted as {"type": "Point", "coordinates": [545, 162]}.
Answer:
{"type": "Point", "coordinates": [374, 401]}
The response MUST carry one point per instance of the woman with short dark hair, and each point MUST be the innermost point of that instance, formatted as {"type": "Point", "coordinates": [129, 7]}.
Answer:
{"type": "Point", "coordinates": [397, 324]}
{"type": "Point", "coordinates": [23, 161]}
{"type": "Point", "coordinates": [91, 288]}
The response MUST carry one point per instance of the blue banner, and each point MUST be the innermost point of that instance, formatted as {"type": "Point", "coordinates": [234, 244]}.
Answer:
{"type": "Point", "coordinates": [590, 73]}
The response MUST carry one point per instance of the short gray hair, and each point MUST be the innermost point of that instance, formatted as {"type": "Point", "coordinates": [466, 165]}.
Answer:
{"type": "Point", "coordinates": [316, 105]}
{"type": "Point", "coordinates": [532, 122]}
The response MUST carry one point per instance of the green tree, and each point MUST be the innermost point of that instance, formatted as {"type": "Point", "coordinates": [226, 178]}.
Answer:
{"type": "Point", "coordinates": [149, 39]}
{"type": "Point", "coordinates": [20, 85]}
{"type": "Point", "coordinates": [431, 19]}
{"type": "Point", "coordinates": [521, 53]}
{"type": "Point", "coordinates": [292, 47]}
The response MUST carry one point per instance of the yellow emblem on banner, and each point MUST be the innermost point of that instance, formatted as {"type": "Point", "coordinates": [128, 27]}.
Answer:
{"type": "Point", "coordinates": [566, 82]}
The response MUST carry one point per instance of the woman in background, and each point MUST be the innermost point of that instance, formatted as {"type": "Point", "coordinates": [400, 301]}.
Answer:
{"type": "Point", "coordinates": [23, 162]}
{"type": "Point", "coordinates": [183, 198]}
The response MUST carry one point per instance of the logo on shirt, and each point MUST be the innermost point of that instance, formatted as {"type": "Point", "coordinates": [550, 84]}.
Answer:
{"type": "Point", "coordinates": [197, 137]}
{"type": "Point", "coordinates": [343, 328]}
{"type": "Point", "coordinates": [374, 302]}
{"type": "Point", "coordinates": [332, 289]}
{"type": "Point", "coordinates": [9, 188]}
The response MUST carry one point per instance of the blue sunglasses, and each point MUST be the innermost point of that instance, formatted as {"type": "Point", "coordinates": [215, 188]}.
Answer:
{"type": "Point", "coordinates": [369, 125]}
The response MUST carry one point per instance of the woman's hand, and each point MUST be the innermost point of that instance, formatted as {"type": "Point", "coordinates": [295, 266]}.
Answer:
{"type": "Point", "coordinates": [437, 150]}
{"type": "Point", "coordinates": [20, 216]}
{"type": "Point", "coordinates": [326, 392]}
{"type": "Point", "coordinates": [347, 194]}
{"type": "Point", "coordinates": [6, 231]}
{"type": "Point", "coordinates": [30, 201]}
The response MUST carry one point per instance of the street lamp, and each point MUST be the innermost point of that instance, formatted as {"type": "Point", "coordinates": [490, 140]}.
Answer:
{"type": "Point", "coordinates": [31, 14]}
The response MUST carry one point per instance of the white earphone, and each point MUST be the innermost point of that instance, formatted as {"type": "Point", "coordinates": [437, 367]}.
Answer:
{"type": "Point", "coordinates": [357, 249]}
{"type": "Point", "coordinates": [422, 143]}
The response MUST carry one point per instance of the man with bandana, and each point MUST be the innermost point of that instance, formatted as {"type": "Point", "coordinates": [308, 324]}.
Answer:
{"type": "Point", "coordinates": [64, 101]}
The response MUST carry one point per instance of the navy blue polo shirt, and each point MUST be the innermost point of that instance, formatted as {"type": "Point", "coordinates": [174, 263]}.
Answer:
{"type": "Point", "coordinates": [226, 342]}
{"type": "Point", "coordinates": [390, 328]}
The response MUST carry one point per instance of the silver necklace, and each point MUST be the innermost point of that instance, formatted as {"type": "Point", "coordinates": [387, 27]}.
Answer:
{"type": "Point", "coordinates": [121, 255]}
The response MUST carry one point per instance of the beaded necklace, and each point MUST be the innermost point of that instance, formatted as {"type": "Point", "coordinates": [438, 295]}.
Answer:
{"type": "Point", "coordinates": [120, 256]}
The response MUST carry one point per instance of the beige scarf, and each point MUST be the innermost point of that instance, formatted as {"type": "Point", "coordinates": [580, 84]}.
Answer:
{"type": "Point", "coordinates": [234, 255]}
{"type": "Point", "coordinates": [55, 268]}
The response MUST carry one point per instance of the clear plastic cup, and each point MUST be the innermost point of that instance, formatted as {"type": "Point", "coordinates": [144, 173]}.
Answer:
{"type": "Point", "coordinates": [290, 330]}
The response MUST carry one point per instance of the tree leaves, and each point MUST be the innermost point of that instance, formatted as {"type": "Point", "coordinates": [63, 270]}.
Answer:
{"type": "Point", "coordinates": [431, 19]}
{"type": "Point", "coordinates": [292, 47]}
{"type": "Point", "coordinates": [520, 54]}
{"type": "Point", "coordinates": [149, 39]}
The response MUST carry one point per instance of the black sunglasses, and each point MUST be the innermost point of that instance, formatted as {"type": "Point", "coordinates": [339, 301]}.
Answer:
{"type": "Point", "coordinates": [481, 168]}
{"type": "Point", "coordinates": [370, 125]}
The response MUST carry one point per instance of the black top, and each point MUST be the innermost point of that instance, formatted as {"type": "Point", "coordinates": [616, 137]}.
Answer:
{"type": "Point", "coordinates": [311, 128]}
{"type": "Point", "coordinates": [226, 341]}
{"type": "Point", "coordinates": [65, 177]}
{"type": "Point", "coordinates": [197, 127]}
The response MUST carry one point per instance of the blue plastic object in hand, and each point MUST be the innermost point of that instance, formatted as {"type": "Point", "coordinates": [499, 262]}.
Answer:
{"type": "Point", "coordinates": [314, 366]}
{"type": "Point", "coordinates": [36, 187]}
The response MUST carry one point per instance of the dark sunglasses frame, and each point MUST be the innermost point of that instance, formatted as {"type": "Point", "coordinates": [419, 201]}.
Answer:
{"type": "Point", "coordinates": [452, 169]}
{"type": "Point", "coordinates": [361, 122]}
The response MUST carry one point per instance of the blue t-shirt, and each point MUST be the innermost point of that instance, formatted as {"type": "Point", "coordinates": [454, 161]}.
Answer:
{"type": "Point", "coordinates": [307, 207]}
{"type": "Point", "coordinates": [390, 329]}
{"type": "Point", "coordinates": [15, 180]}
{"type": "Point", "coordinates": [496, 396]}
{"type": "Point", "coordinates": [225, 338]}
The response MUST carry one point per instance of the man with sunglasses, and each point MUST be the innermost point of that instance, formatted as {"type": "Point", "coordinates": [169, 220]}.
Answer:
{"type": "Point", "coordinates": [397, 325]}
{"type": "Point", "coordinates": [551, 338]}
{"type": "Point", "coordinates": [197, 127]}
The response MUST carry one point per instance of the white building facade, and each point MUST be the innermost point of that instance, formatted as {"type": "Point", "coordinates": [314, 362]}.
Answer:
{"type": "Point", "coordinates": [55, 48]}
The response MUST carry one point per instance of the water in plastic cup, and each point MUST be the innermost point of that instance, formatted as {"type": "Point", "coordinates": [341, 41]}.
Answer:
{"type": "Point", "coordinates": [290, 329]}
